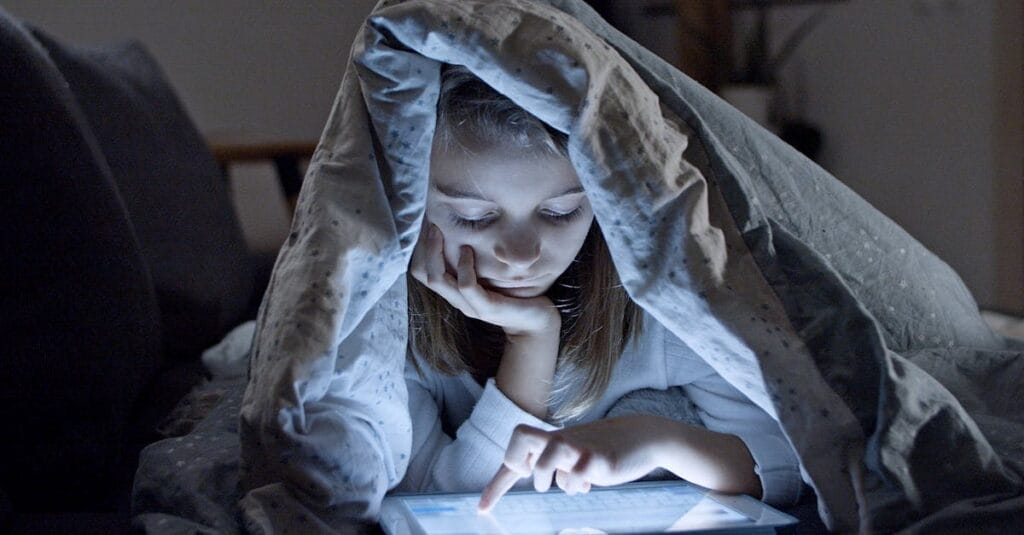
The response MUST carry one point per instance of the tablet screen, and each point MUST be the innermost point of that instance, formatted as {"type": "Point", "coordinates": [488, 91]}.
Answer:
{"type": "Point", "coordinates": [632, 508]}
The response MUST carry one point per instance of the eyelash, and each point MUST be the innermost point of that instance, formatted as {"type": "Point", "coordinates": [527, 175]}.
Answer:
{"type": "Point", "coordinates": [479, 224]}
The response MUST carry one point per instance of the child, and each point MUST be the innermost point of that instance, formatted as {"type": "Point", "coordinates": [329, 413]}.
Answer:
{"type": "Point", "coordinates": [767, 290]}
{"type": "Point", "coordinates": [522, 337]}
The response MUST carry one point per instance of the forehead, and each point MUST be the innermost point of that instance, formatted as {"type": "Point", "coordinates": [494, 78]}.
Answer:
{"type": "Point", "coordinates": [496, 173]}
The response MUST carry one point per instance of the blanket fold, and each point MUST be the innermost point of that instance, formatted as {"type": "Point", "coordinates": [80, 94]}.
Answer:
{"type": "Point", "coordinates": [866, 348]}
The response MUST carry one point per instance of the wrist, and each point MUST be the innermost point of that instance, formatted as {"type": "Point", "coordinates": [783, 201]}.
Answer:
{"type": "Point", "coordinates": [548, 324]}
{"type": "Point", "coordinates": [527, 369]}
{"type": "Point", "coordinates": [714, 460]}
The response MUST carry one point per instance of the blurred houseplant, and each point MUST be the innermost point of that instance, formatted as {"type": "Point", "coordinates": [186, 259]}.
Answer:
{"type": "Point", "coordinates": [752, 85]}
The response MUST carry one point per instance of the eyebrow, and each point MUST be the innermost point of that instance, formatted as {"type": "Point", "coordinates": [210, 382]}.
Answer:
{"type": "Point", "coordinates": [462, 194]}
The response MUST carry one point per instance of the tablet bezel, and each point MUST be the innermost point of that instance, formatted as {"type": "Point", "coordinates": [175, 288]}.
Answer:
{"type": "Point", "coordinates": [395, 511]}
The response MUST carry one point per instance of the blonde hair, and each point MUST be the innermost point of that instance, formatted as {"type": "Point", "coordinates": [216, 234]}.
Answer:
{"type": "Point", "coordinates": [598, 317]}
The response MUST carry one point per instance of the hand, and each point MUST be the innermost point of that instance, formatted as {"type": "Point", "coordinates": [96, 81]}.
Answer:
{"type": "Point", "coordinates": [516, 316]}
{"type": "Point", "coordinates": [605, 452]}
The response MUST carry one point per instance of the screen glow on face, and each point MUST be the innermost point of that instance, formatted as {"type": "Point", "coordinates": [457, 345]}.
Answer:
{"type": "Point", "coordinates": [524, 215]}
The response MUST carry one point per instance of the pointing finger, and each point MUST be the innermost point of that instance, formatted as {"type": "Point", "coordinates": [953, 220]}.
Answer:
{"type": "Point", "coordinates": [502, 481]}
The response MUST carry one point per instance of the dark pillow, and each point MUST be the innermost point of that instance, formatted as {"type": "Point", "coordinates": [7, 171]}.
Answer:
{"type": "Point", "coordinates": [79, 323]}
{"type": "Point", "coordinates": [5, 512]}
{"type": "Point", "coordinates": [176, 196]}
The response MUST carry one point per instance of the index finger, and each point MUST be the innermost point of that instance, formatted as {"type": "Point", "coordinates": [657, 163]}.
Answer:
{"type": "Point", "coordinates": [499, 485]}
{"type": "Point", "coordinates": [417, 263]}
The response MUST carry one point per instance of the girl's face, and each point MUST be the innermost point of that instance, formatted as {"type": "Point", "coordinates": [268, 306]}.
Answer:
{"type": "Point", "coordinates": [525, 216]}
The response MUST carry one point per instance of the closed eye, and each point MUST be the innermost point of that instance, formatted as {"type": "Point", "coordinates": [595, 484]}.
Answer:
{"type": "Point", "coordinates": [562, 218]}
{"type": "Point", "coordinates": [482, 222]}
{"type": "Point", "coordinates": [472, 224]}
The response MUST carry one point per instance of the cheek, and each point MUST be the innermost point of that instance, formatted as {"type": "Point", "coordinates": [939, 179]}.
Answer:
{"type": "Point", "coordinates": [454, 238]}
{"type": "Point", "coordinates": [566, 242]}
{"type": "Point", "coordinates": [576, 238]}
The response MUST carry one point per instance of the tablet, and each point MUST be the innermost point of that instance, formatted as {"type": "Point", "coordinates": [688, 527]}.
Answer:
{"type": "Point", "coordinates": [641, 507]}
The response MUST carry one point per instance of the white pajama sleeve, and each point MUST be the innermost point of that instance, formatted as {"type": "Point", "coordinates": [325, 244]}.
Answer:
{"type": "Point", "coordinates": [469, 461]}
{"type": "Point", "coordinates": [725, 409]}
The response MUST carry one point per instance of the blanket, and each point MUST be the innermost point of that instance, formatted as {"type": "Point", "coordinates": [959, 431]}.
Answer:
{"type": "Point", "coordinates": [904, 408]}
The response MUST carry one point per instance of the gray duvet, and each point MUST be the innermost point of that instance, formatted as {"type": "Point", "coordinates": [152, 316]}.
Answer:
{"type": "Point", "coordinates": [906, 411]}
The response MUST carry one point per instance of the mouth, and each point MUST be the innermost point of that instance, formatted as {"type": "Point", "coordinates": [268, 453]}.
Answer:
{"type": "Point", "coordinates": [512, 285]}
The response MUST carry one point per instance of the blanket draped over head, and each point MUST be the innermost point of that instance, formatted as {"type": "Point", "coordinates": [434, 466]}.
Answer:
{"type": "Point", "coordinates": [903, 407]}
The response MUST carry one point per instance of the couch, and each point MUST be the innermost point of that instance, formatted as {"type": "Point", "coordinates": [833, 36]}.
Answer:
{"type": "Point", "coordinates": [121, 259]}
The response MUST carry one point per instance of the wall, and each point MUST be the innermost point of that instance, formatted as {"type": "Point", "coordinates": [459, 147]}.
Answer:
{"type": "Point", "coordinates": [271, 68]}
{"type": "Point", "coordinates": [1008, 134]}
{"type": "Point", "coordinates": [920, 102]}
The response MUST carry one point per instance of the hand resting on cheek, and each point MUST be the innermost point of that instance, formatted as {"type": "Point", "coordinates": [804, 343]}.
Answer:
{"type": "Point", "coordinates": [532, 325]}
{"type": "Point", "coordinates": [516, 316]}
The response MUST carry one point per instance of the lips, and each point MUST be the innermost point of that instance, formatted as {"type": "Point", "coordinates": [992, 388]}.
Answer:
{"type": "Point", "coordinates": [511, 285]}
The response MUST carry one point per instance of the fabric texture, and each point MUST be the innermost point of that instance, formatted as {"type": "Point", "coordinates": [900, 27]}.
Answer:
{"type": "Point", "coordinates": [902, 405]}
{"type": "Point", "coordinates": [174, 192]}
{"type": "Point", "coordinates": [189, 481]}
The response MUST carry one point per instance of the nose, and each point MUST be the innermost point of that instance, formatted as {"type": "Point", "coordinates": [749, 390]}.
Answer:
{"type": "Point", "coordinates": [518, 248]}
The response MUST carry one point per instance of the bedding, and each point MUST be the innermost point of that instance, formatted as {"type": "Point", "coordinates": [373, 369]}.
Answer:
{"type": "Point", "coordinates": [904, 407]}
{"type": "Point", "coordinates": [188, 482]}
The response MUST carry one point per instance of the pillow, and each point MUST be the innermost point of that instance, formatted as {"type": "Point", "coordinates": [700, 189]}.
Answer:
{"type": "Point", "coordinates": [176, 195]}
{"type": "Point", "coordinates": [79, 323]}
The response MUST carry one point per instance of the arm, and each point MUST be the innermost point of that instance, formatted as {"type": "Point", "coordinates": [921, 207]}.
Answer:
{"type": "Point", "coordinates": [742, 450]}
{"type": "Point", "coordinates": [726, 411]}
{"type": "Point", "coordinates": [518, 394]}
{"type": "Point", "coordinates": [619, 450]}
{"type": "Point", "coordinates": [714, 460]}
{"type": "Point", "coordinates": [465, 462]}
{"type": "Point", "coordinates": [528, 367]}
{"type": "Point", "coordinates": [531, 325]}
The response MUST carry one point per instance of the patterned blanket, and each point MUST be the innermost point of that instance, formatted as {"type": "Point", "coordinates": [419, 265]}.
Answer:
{"type": "Point", "coordinates": [906, 410]}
